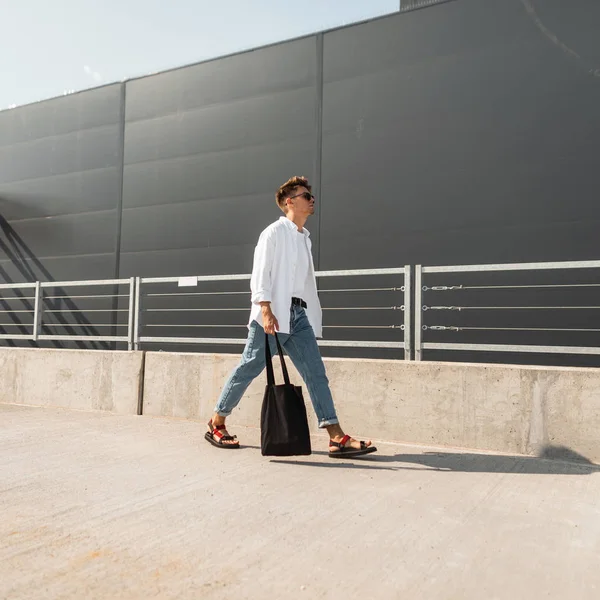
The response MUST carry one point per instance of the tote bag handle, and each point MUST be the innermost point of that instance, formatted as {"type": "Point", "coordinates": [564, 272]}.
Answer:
{"type": "Point", "coordinates": [269, 362]}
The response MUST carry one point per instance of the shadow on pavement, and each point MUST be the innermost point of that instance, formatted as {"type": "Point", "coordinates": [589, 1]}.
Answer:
{"type": "Point", "coordinates": [465, 462]}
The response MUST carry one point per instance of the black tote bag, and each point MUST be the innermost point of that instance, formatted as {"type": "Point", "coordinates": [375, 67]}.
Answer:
{"type": "Point", "coordinates": [283, 422]}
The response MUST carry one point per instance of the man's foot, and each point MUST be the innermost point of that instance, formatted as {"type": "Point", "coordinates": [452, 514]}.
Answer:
{"type": "Point", "coordinates": [347, 447]}
{"type": "Point", "coordinates": [218, 436]}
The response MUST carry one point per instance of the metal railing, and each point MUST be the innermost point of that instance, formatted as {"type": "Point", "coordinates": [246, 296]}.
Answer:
{"type": "Point", "coordinates": [51, 308]}
{"type": "Point", "coordinates": [158, 298]}
{"type": "Point", "coordinates": [457, 308]}
{"type": "Point", "coordinates": [510, 317]}
{"type": "Point", "coordinates": [28, 329]}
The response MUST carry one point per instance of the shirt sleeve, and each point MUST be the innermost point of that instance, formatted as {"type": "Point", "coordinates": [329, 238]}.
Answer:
{"type": "Point", "coordinates": [264, 254]}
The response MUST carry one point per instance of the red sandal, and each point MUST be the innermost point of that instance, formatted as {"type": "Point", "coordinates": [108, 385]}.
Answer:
{"type": "Point", "coordinates": [215, 432]}
{"type": "Point", "coordinates": [349, 452]}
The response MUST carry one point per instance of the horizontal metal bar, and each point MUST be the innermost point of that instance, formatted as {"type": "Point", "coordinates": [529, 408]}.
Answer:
{"type": "Point", "coordinates": [245, 325]}
{"type": "Point", "coordinates": [358, 272]}
{"type": "Point", "coordinates": [512, 287]}
{"type": "Point", "coordinates": [391, 289]}
{"type": "Point", "coordinates": [240, 277]}
{"type": "Point", "coordinates": [85, 338]}
{"type": "Point", "coordinates": [174, 310]}
{"type": "Point", "coordinates": [16, 324]}
{"type": "Point", "coordinates": [366, 308]}
{"type": "Point", "coordinates": [92, 282]}
{"type": "Point", "coordinates": [364, 327]}
{"type": "Point", "coordinates": [187, 340]}
{"type": "Point", "coordinates": [17, 286]}
{"type": "Point", "coordinates": [83, 310]}
{"type": "Point", "coordinates": [176, 294]}
{"type": "Point", "coordinates": [456, 328]}
{"type": "Point", "coordinates": [200, 278]}
{"type": "Point", "coordinates": [344, 344]}
{"type": "Point", "coordinates": [234, 277]}
{"type": "Point", "coordinates": [10, 312]}
{"type": "Point", "coordinates": [85, 324]}
{"type": "Point", "coordinates": [247, 293]}
{"type": "Point", "coordinates": [176, 325]}
{"type": "Point", "coordinates": [459, 308]}
{"type": "Point", "coordinates": [512, 348]}
{"type": "Point", "coordinates": [3, 299]}
{"type": "Point", "coordinates": [583, 264]}
{"type": "Point", "coordinates": [90, 296]}
{"type": "Point", "coordinates": [231, 341]}
{"type": "Point", "coordinates": [8, 336]}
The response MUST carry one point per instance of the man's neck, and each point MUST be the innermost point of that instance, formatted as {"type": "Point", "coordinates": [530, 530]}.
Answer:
{"type": "Point", "coordinates": [298, 221]}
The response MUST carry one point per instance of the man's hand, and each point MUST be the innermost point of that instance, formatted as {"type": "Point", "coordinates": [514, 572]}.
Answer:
{"type": "Point", "coordinates": [270, 323]}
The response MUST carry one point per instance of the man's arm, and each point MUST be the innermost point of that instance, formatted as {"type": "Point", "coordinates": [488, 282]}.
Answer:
{"type": "Point", "coordinates": [260, 282]}
{"type": "Point", "coordinates": [270, 323]}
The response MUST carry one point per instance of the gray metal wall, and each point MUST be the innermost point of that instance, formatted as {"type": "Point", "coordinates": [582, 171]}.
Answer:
{"type": "Point", "coordinates": [205, 148]}
{"type": "Point", "coordinates": [60, 187]}
{"type": "Point", "coordinates": [462, 132]}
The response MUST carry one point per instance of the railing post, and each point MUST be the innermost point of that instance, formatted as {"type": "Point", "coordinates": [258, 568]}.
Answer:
{"type": "Point", "coordinates": [37, 311]}
{"type": "Point", "coordinates": [407, 313]}
{"type": "Point", "coordinates": [418, 311]}
{"type": "Point", "coordinates": [130, 314]}
{"type": "Point", "coordinates": [137, 314]}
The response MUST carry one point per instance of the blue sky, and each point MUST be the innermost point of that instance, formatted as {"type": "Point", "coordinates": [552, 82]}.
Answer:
{"type": "Point", "coordinates": [49, 47]}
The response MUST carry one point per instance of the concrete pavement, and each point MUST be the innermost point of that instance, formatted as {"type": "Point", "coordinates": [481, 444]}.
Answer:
{"type": "Point", "coordinates": [96, 505]}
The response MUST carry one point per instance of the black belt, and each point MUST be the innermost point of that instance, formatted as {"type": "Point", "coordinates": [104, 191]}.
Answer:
{"type": "Point", "coordinates": [298, 302]}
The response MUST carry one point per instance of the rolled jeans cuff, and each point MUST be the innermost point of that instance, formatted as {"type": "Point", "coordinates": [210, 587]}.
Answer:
{"type": "Point", "coordinates": [327, 422]}
{"type": "Point", "coordinates": [222, 413]}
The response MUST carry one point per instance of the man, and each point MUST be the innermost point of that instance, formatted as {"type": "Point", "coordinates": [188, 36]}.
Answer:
{"type": "Point", "coordinates": [284, 299]}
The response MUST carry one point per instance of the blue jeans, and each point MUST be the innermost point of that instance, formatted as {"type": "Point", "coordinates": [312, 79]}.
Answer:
{"type": "Point", "coordinates": [301, 346]}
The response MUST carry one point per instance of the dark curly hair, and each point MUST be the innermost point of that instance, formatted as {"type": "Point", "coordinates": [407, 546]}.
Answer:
{"type": "Point", "coordinates": [288, 187]}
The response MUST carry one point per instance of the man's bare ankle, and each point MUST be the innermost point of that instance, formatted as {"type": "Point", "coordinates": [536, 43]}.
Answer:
{"type": "Point", "coordinates": [218, 420]}
{"type": "Point", "coordinates": [335, 432]}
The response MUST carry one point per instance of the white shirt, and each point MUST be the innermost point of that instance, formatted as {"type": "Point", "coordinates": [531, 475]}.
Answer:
{"type": "Point", "coordinates": [276, 262]}
{"type": "Point", "coordinates": [302, 265]}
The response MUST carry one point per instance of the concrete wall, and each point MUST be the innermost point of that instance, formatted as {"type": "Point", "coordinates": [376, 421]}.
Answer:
{"type": "Point", "coordinates": [549, 411]}
{"type": "Point", "coordinates": [77, 379]}
{"type": "Point", "coordinates": [526, 410]}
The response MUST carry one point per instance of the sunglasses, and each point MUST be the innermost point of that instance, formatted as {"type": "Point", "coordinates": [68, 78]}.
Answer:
{"type": "Point", "coordinates": [304, 195]}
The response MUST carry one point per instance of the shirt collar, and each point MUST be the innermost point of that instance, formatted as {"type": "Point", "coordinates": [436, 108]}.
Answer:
{"type": "Point", "coordinates": [291, 225]}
